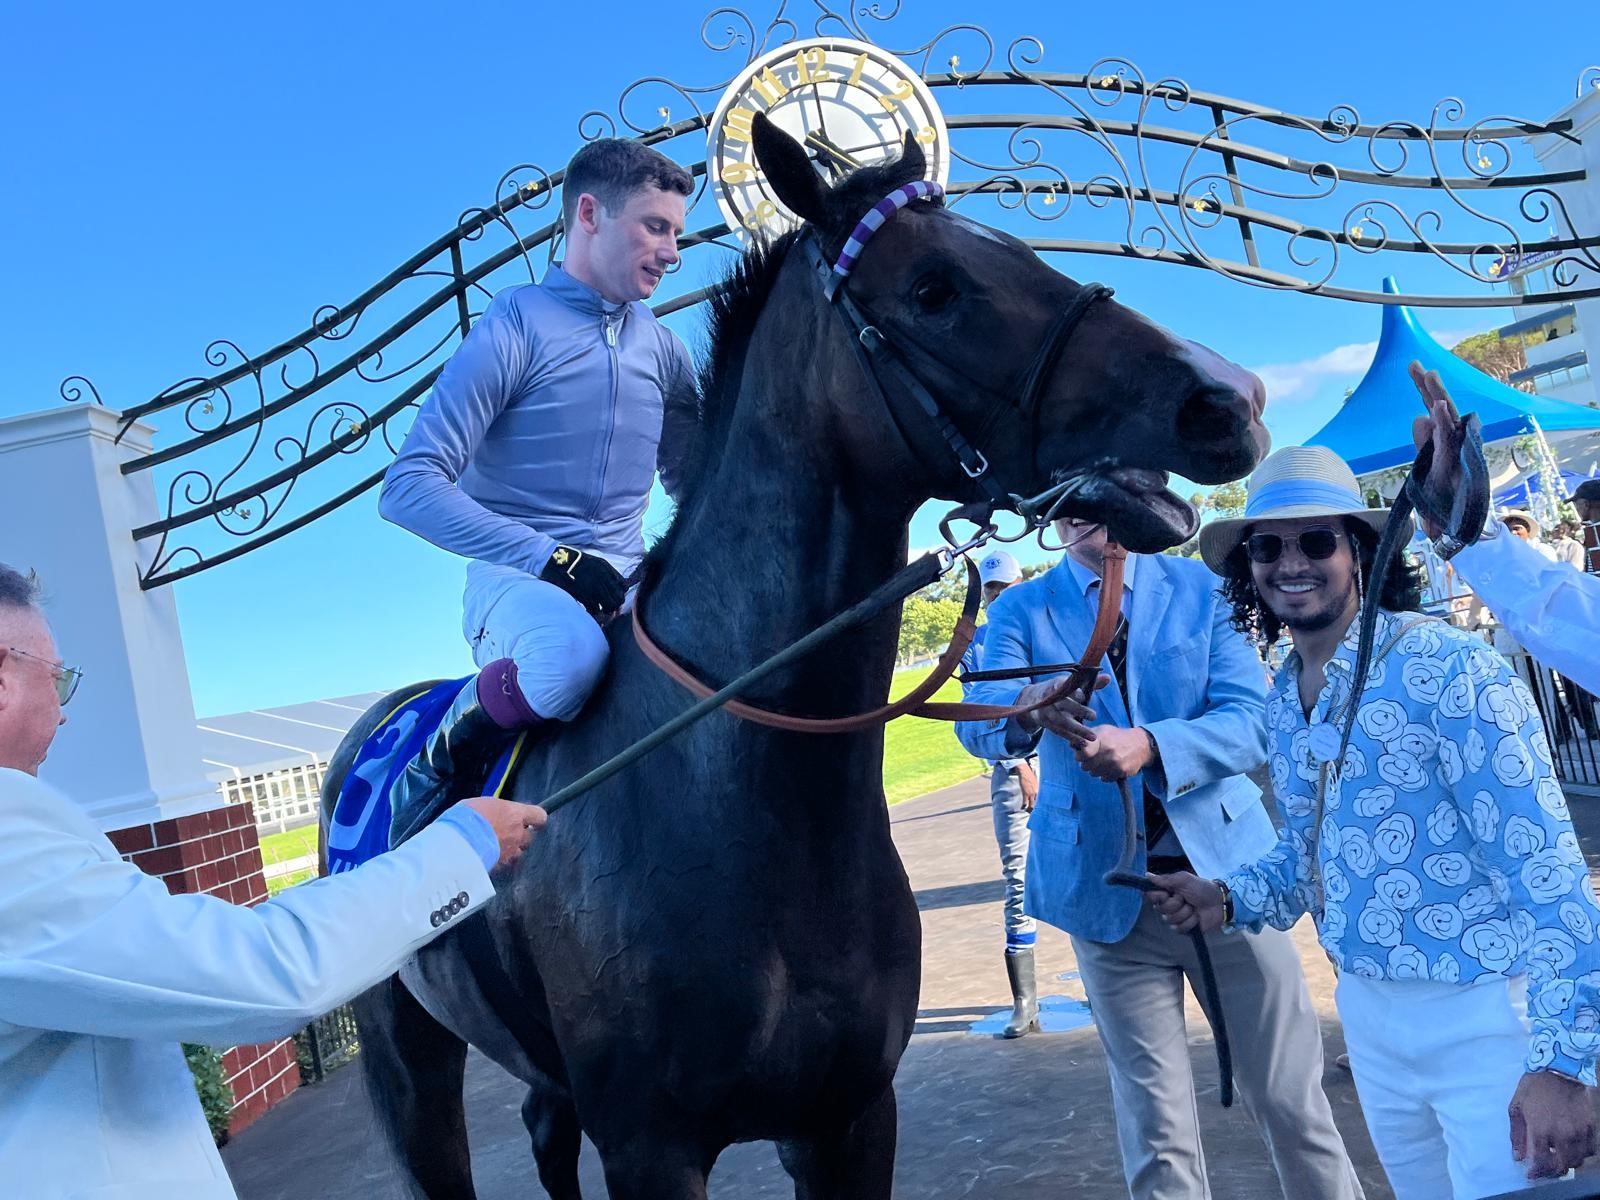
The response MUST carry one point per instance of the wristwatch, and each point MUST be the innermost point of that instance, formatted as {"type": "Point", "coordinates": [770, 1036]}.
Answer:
{"type": "Point", "coordinates": [1447, 547]}
{"type": "Point", "coordinates": [1562, 1075]}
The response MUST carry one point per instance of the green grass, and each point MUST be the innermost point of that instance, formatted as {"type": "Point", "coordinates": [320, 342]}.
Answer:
{"type": "Point", "coordinates": [923, 756]}
{"type": "Point", "coordinates": [280, 847]}
{"type": "Point", "coordinates": [279, 882]}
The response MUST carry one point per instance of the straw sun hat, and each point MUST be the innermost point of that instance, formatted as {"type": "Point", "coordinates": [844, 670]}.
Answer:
{"type": "Point", "coordinates": [1297, 481]}
{"type": "Point", "coordinates": [1527, 518]}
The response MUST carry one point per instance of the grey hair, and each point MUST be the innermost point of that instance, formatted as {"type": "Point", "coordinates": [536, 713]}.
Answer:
{"type": "Point", "coordinates": [18, 590]}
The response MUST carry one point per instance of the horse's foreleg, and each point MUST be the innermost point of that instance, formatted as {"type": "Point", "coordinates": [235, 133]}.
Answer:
{"type": "Point", "coordinates": [415, 1068]}
{"type": "Point", "coordinates": [856, 1163]}
{"type": "Point", "coordinates": [552, 1122]}
{"type": "Point", "coordinates": [647, 1167]}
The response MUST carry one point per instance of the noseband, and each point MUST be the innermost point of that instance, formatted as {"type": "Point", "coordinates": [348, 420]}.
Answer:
{"type": "Point", "coordinates": [881, 361]}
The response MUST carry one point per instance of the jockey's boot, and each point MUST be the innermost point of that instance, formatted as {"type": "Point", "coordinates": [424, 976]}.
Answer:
{"type": "Point", "coordinates": [485, 717]}
{"type": "Point", "coordinates": [1024, 994]}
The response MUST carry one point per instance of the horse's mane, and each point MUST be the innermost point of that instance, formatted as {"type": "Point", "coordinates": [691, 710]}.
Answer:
{"type": "Point", "coordinates": [735, 304]}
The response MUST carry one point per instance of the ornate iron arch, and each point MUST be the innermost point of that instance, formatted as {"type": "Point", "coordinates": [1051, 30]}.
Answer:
{"type": "Point", "coordinates": [1144, 168]}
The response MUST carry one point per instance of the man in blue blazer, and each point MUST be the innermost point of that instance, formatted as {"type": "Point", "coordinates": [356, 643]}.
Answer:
{"type": "Point", "coordinates": [1181, 718]}
{"type": "Point", "coordinates": [103, 973]}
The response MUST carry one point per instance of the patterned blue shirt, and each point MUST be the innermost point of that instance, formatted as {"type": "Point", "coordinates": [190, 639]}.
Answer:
{"type": "Point", "coordinates": [1446, 851]}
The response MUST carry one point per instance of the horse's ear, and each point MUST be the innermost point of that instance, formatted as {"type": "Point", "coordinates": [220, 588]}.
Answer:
{"type": "Point", "coordinates": [794, 180]}
{"type": "Point", "coordinates": [914, 162]}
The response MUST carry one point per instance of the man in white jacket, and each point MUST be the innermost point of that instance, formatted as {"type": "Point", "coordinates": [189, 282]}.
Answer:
{"type": "Point", "coordinates": [1552, 610]}
{"type": "Point", "coordinates": [103, 973]}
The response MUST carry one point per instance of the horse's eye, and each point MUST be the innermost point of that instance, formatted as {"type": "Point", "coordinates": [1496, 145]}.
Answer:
{"type": "Point", "coordinates": [933, 293]}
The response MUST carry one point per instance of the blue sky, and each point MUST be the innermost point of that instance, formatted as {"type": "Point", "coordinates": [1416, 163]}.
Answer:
{"type": "Point", "coordinates": [181, 172]}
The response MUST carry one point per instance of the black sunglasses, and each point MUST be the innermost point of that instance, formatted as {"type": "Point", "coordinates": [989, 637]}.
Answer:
{"type": "Point", "coordinates": [1316, 543]}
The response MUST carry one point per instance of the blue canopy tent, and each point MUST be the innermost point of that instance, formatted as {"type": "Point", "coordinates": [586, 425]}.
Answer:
{"type": "Point", "coordinates": [1520, 494]}
{"type": "Point", "coordinates": [1372, 430]}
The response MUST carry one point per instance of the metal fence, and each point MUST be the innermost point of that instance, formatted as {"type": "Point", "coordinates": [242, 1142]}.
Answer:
{"type": "Point", "coordinates": [1570, 719]}
{"type": "Point", "coordinates": [327, 1044]}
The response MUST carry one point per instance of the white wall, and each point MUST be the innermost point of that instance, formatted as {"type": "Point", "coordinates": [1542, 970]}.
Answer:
{"type": "Point", "coordinates": [129, 752]}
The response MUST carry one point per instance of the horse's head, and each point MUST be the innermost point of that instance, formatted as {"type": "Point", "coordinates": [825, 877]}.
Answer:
{"type": "Point", "coordinates": [1047, 380]}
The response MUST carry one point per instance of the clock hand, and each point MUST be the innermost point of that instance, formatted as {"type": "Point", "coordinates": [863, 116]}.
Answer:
{"type": "Point", "coordinates": [828, 149]}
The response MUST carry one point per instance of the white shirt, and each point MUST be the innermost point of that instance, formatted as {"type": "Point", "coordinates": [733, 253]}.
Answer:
{"type": "Point", "coordinates": [1553, 610]}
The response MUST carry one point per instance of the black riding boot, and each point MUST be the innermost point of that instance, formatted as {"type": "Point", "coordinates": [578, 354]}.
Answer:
{"type": "Point", "coordinates": [1024, 994]}
{"type": "Point", "coordinates": [454, 763]}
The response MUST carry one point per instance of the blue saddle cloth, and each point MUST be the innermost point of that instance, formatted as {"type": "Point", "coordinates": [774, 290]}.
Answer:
{"type": "Point", "coordinates": [362, 815]}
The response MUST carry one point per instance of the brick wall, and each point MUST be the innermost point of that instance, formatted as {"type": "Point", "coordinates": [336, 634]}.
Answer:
{"type": "Point", "coordinates": [218, 853]}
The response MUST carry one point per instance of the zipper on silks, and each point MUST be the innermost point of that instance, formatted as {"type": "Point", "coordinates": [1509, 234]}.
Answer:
{"type": "Point", "coordinates": [608, 332]}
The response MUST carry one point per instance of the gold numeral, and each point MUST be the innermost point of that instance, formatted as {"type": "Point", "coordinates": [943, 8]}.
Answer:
{"type": "Point", "coordinates": [903, 91]}
{"type": "Point", "coordinates": [738, 172]}
{"type": "Point", "coordinates": [925, 135]}
{"type": "Point", "coordinates": [772, 88]}
{"type": "Point", "coordinates": [855, 74]}
{"type": "Point", "coordinates": [736, 128]}
{"type": "Point", "coordinates": [811, 66]}
{"type": "Point", "coordinates": [760, 214]}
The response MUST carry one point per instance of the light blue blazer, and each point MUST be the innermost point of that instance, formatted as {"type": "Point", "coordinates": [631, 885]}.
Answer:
{"type": "Point", "coordinates": [102, 973]}
{"type": "Point", "coordinates": [1196, 685]}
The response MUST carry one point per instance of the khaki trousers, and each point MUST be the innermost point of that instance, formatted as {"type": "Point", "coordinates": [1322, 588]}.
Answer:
{"type": "Point", "coordinates": [1135, 989]}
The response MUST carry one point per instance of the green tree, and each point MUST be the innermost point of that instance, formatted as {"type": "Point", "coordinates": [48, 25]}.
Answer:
{"type": "Point", "coordinates": [1498, 357]}
{"type": "Point", "coordinates": [925, 625]}
{"type": "Point", "coordinates": [1224, 500]}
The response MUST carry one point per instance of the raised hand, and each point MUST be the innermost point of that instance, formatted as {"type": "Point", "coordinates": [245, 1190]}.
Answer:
{"type": "Point", "coordinates": [1444, 429]}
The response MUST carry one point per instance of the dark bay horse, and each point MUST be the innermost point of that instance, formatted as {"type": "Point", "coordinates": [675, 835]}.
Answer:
{"type": "Point", "coordinates": [720, 944]}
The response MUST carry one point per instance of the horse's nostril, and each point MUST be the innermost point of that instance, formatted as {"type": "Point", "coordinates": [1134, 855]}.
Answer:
{"type": "Point", "coordinates": [1214, 413]}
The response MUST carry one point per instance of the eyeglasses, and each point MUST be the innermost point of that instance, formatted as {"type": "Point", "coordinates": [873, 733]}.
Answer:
{"type": "Point", "coordinates": [1316, 543]}
{"type": "Point", "coordinates": [67, 678]}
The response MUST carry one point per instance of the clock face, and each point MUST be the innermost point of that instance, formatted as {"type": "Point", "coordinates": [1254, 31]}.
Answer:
{"type": "Point", "coordinates": [848, 103]}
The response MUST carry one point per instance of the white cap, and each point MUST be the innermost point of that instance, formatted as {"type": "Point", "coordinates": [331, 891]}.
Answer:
{"type": "Point", "coordinates": [999, 567]}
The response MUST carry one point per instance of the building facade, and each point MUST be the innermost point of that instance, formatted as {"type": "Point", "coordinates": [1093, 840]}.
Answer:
{"type": "Point", "coordinates": [274, 758]}
{"type": "Point", "coordinates": [1561, 365]}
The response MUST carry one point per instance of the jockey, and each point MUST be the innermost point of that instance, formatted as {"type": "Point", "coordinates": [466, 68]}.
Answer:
{"type": "Point", "coordinates": [534, 454]}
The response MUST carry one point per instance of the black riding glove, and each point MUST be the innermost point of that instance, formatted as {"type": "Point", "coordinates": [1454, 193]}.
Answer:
{"type": "Point", "coordinates": [587, 578]}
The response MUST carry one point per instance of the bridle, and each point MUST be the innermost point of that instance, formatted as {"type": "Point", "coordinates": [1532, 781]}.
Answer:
{"type": "Point", "coordinates": [882, 362]}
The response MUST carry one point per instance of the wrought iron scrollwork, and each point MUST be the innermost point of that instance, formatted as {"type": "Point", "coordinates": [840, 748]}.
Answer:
{"type": "Point", "coordinates": [1143, 167]}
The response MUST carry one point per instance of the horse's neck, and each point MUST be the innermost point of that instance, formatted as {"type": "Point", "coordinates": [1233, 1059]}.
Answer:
{"type": "Point", "coordinates": [773, 545]}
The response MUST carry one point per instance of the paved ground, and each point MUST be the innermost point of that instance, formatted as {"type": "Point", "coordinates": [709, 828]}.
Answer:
{"type": "Point", "coordinates": [979, 1117]}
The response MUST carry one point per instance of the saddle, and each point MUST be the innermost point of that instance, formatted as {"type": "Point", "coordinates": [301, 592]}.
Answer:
{"type": "Point", "coordinates": [364, 823]}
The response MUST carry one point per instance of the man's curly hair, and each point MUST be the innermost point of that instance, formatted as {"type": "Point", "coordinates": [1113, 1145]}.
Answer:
{"type": "Point", "coordinates": [1402, 586]}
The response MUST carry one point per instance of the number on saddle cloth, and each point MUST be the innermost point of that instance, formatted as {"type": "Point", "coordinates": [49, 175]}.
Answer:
{"type": "Point", "coordinates": [363, 814]}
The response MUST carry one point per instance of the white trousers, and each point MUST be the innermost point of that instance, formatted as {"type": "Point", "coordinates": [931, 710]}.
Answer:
{"type": "Point", "coordinates": [559, 650]}
{"type": "Point", "coordinates": [1435, 1066]}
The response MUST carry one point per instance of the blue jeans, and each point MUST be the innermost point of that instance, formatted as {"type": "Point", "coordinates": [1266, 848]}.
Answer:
{"type": "Point", "coordinates": [1011, 835]}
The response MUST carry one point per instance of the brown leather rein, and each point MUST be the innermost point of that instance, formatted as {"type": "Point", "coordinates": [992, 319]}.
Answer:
{"type": "Point", "coordinates": [1080, 677]}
